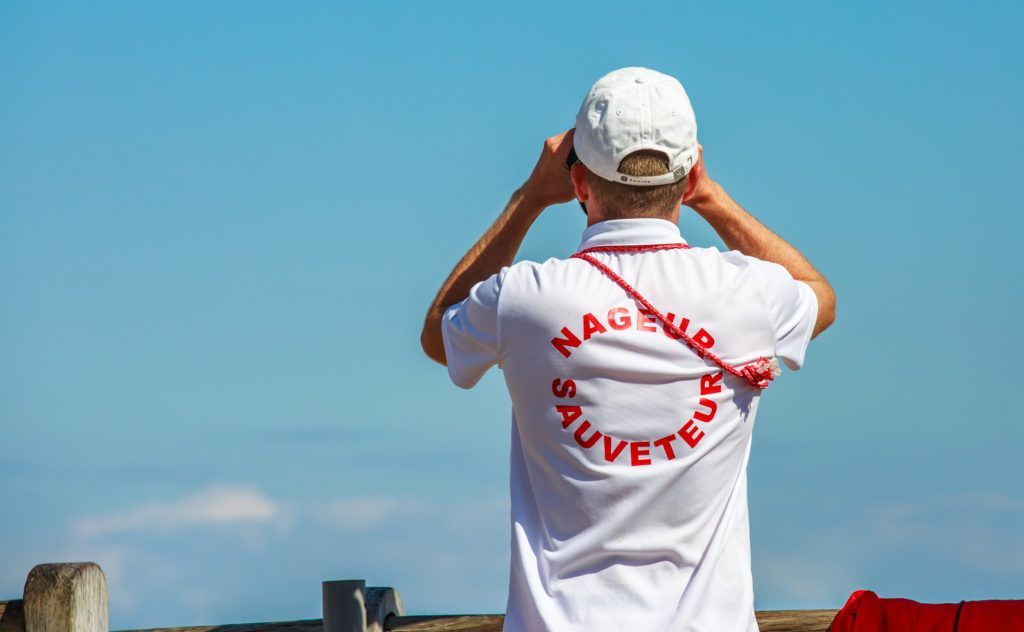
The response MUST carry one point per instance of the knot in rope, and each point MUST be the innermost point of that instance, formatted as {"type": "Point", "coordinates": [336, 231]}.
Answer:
{"type": "Point", "coordinates": [761, 372]}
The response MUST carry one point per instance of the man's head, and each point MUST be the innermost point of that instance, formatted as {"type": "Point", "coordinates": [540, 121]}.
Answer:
{"type": "Point", "coordinates": [636, 140]}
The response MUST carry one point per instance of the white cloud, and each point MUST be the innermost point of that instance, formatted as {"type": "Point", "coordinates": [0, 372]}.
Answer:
{"type": "Point", "coordinates": [361, 513]}
{"type": "Point", "coordinates": [949, 505]}
{"type": "Point", "coordinates": [364, 513]}
{"type": "Point", "coordinates": [215, 505]}
{"type": "Point", "coordinates": [201, 556]}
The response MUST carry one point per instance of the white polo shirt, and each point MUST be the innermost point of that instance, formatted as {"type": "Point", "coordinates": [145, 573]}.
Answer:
{"type": "Point", "coordinates": [629, 453]}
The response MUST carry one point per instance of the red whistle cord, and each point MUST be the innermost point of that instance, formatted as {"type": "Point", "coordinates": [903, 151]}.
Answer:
{"type": "Point", "coordinates": [758, 374]}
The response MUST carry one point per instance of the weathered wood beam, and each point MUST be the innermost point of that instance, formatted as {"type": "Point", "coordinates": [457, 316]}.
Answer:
{"type": "Point", "coordinates": [768, 621]}
{"type": "Point", "coordinates": [12, 616]}
{"type": "Point", "coordinates": [66, 598]}
{"type": "Point", "coordinates": [795, 620]}
{"type": "Point", "coordinates": [461, 622]}
{"type": "Point", "coordinates": [73, 598]}
{"type": "Point", "coordinates": [306, 625]}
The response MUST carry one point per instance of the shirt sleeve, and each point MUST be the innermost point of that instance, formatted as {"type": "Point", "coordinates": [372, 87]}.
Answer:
{"type": "Point", "coordinates": [469, 330]}
{"type": "Point", "coordinates": [792, 309]}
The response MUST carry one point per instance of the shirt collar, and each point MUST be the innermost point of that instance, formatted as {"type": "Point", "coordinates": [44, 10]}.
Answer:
{"type": "Point", "coordinates": [634, 231]}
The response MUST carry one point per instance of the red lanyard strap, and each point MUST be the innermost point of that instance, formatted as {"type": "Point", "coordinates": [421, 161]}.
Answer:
{"type": "Point", "coordinates": [758, 373]}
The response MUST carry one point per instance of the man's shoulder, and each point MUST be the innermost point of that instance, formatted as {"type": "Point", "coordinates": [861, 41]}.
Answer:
{"type": "Point", "coordinates": [528, 267]}
{"type": "Point", "coordinates": [744, 267]}
{"type": "Point", "coordinates": [733, 258]}
{"type": "Point", "coordinates": [738, 259]}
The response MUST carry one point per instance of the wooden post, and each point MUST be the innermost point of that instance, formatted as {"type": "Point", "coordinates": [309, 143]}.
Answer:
{"type": "Point", "coordinates": [12, 616]}
{"type": "Point", "coordinates": [349, 606]}
{"type": "Point", "coordinates": [66, 598]}
{"type": "Point", "coordinates": [344, 605]}
{"type": "Point", "coordinates": [381, 603]}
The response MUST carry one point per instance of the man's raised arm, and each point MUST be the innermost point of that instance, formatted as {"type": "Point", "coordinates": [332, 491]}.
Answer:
{"type": "Point", "coordinates": [548, 184]}
{"type": "Point", "coordinates": [743, 232]}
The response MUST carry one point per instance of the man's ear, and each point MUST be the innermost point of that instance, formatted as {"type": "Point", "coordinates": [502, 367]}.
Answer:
{"type": "Point", "coordinates": [692, 179]}
{"type": "Point", "coordinates": [578, 173]}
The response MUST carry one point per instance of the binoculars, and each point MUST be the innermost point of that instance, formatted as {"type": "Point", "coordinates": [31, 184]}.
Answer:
{"type": "Point", "coordinates": [570, 160]}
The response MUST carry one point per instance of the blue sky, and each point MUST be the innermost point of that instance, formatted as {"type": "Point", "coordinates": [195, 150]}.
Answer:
{"type": "Point", "coordinates": [221, 224]}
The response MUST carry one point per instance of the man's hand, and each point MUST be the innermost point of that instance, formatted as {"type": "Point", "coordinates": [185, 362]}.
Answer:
{"type": "Point", "coordinates": [550, 184]}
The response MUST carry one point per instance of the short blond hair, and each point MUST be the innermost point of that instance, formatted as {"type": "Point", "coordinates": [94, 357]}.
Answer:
{"type": "Point", "coordinates": [622, 201]}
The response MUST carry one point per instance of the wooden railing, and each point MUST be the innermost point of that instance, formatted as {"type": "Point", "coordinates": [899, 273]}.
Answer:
{"type": "Point", "coordinates": [73, 598]}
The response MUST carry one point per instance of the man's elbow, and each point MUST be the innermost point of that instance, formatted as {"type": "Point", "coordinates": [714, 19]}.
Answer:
{"type": "Point", "coordinates": [432, 343]}
{"type": "Point", "coordinates": [826, 310]}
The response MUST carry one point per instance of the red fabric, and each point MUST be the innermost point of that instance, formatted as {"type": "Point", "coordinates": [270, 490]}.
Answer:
{"type": "Point", "coordinates": [634, 248]}
{"type": "Point", "coordinates": [866, 612]}
{"type": "Point", "coordinates": [758, 374]}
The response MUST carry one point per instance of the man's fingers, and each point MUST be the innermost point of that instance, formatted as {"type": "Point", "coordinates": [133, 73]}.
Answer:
{"type": "Point", "coordinates": [567, 137]}
{"type": "Point", "coordinates": [559, 145]}
{"type": "Point", "coordinates": [550, 182]}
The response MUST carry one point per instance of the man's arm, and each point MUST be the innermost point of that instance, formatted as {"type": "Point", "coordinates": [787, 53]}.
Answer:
{"type": "Point", "coordinates": [548, 184]}
{"type": "Point", "coordinates": [741, 231]}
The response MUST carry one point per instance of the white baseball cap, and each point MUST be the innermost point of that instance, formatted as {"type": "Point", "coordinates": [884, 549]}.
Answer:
{"type": "Point", "coordinates": [631, 109]}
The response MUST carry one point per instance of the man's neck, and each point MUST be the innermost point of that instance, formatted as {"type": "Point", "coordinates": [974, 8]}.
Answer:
{"type": "Point", "coordinates": [594, 216]}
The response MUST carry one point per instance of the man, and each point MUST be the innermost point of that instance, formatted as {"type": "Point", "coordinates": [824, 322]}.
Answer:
{"type": "Point", "coordinates": [634, 371]}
